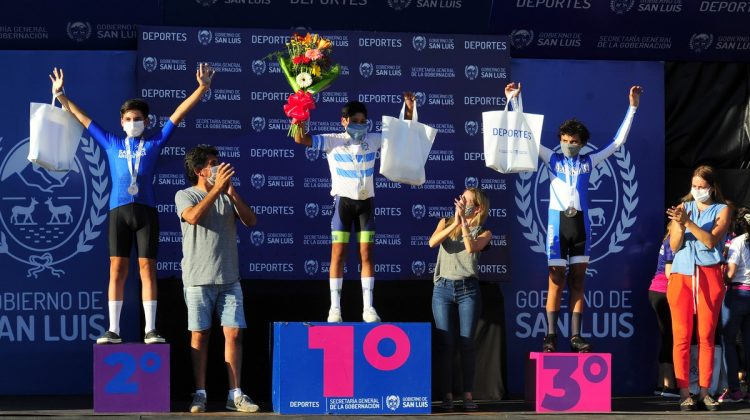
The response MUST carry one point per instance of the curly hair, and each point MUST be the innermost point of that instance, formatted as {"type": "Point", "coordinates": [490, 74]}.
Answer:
{"type": "Point", "coordinates": [572, 128]}
{"type": "Point", "coordinates": [195, 159]}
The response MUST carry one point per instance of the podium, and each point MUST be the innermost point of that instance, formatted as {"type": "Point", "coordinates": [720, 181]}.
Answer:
{"type": "Point", "coordinates": [351, 368]}
{"type": "Point", "coordinates": [569, 382]}
{"type": "Point", "coordinates": [131, 378]}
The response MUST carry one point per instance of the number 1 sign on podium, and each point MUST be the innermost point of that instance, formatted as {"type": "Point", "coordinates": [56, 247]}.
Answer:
{"type": "Point", "coordinates": [571, 382]}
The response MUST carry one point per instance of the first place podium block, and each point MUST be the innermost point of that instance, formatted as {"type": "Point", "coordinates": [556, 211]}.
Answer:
{"type": "Point", "coordinates": [131, 378]}
{"type": "Point", "coordinates": [351, 368]}
{"type": "Point", "coordinates": [569, 382]}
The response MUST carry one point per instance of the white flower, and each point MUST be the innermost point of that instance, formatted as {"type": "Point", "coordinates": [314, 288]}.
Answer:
{"type": "Point", "coordinates": [304, 79]}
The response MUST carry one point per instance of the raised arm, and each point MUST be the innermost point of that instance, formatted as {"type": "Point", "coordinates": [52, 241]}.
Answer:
{"type": "Point", "coordinates": [512, 92]}
{"type": "Point", "coordinates": [302, 137]}
{"type": "Point", "coordinates": [634, 97]}
{"type": "Point", "coordinates": [244, 212]}
{"type": "Point", "coordinates": [204, 75]}
{"type": "Point", "coordinates": [409, 102]}
{"type": "Point", "coordinates": [57, 77]}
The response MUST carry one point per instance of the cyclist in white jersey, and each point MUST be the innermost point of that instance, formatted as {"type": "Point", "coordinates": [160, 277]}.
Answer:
{"type": "Point", "coordinates": [568, 226]}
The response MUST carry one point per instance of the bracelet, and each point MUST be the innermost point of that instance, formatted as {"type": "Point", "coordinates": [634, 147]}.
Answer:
{"type": "Point", "coordinates": [57, 94]}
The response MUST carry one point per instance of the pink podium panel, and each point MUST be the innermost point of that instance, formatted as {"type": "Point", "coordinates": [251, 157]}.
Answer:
{"type": "Point", "coordinates": [131, 378]}
{"type": "Point", "coordinates": [569, 382]}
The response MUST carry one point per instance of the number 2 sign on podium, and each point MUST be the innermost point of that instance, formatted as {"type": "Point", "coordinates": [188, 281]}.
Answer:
{"type": "Point", "coordinates": [579, 382]}
{"type": "Point", "coordinates": [131, 378]}
{"type": "Point", "coordinates": [351, 368]}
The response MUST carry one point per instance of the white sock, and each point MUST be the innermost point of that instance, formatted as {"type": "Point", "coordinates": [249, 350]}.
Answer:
{"type": "Point", "coordinates": [149, 310]}
{"type": "Point", "coordinates": [335, 286]}
{"type": "Point", "coordinates": [368, 283]}
{"type": "Point", "coordinates": [201, 392]}
{"type": "Point", "coordinates": [115, 307]}
{"type": "Point", "coordinates": [234, 393]}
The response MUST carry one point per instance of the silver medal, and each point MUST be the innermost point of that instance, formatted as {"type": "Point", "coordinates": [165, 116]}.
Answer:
{"type": "Point", "coordinates": [570, 212]}
{"type": "Point", "coordinates": [133, 189]}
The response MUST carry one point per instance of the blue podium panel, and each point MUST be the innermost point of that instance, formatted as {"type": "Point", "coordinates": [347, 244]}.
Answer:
{"type": "Point", "coordinates": [131, 378]}
{"type": "Point", "coordinates": [351, 368]}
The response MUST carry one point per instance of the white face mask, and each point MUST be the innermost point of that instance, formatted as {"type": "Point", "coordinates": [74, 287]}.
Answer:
{"type": "Point", "coordinates": [212, 178]}
{"type": "Point", "coordinates": [133, 128]}
{"type": "Point", "coordinates": [701, 195]}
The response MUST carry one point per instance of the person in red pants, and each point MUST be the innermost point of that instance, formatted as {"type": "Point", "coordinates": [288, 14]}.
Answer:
{"type": "Point", "coordinates": [696, 287]}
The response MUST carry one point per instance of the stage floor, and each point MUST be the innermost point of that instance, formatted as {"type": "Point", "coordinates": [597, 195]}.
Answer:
{"type": "Point", "coordinates": [630, 408]}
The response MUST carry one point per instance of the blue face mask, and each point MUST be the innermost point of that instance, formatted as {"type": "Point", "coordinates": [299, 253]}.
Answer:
{"type": "Point", "coordinates": [357, 131]}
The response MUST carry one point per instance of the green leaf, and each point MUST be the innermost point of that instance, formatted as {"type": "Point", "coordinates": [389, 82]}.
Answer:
{"type": "Point", "coordinates": [292, 80]}
{"type": "Point", "coordinates": [326, 81]}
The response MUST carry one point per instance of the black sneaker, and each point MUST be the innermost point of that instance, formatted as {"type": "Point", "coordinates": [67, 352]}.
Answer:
{"type": "Point", "coordinates": [109, 338]}
{"type": "Point", "coordinates": [550, 343]}
{"type": "Point", "coordinates": [709, 403]}
{"type": "Point", "coordinates": [579, 345]}
{"type": "Point", "coordinates": [153, 337]}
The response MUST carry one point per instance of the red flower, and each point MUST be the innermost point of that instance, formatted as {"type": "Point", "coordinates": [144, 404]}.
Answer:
{"type": "Point", "coordinates": [300, 59]}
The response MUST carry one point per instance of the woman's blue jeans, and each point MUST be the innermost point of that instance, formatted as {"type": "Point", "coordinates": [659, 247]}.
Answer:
{"type": "Point", "coordinates": [456, 305]}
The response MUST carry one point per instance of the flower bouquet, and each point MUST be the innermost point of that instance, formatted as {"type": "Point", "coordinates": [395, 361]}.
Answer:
{"type": "Point", "coordinates": [308, 69]}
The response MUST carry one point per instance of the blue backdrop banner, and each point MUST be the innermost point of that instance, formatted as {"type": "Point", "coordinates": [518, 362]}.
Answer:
{"type": "Point", "coordinates": [53, 292]}
{"type": "Point", "coordinates": [455, 78]}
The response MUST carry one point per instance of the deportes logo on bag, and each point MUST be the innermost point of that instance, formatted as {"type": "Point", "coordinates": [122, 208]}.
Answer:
{"type": "Point", "coordinates": [419, 42]}
{"type": "Point", "coordinates": [259, 67]}
{"type": "Point", "coordinates": [392, 402]}
{"type": "Point", "coordinates": [418, 211]}
{"type": "Point", "coordinates": [311, 267]}
{"type": "Point", "coordinates": [521, 38]}
{"type": "Point", "coordinates": [418, 267]}
{"type": "Point", "coordinates": [79, 31]}
{"type": "Point", "coordinates": [471, 72]}
{"type": "Point", "coordinates": [399, 5]}
{"type": "Point", "coordinates": [365, 69]}
{"type": "Point", "coordinates": [312, 154]}
{"type": "Point", "coordinates": [471, 182]}
{"type": "Point", "coordinates": [205, 36]}
{"type": "Point", "coordinates": [46, 217]}
{"type": "Point", "coordinates": [621, 6]}
{"type": "Point", "coordinates": [149, 64]}
{"type": "Point", "coordinates": [258, 181]}
{"type": "Point", "coordinates": [701, 42]}
{"type": "Point", "coordinates": [257, 237]}
{"type": "Point", "coordinates": [259, 124]}
{"type": "Point", "coordinates": [471, 127]}
{"type": "Point", "coordinates": [311, 210]}
{"type": "Point", "coordinates": [612, 193]}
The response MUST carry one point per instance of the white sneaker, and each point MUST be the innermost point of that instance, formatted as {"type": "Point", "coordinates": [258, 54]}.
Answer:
{"type": "Point", "coordinates": [243, 404]}
{"type": "Point", "coordinates": [334, 315]}
{"type": "Point", "coordinates": [369, 315]}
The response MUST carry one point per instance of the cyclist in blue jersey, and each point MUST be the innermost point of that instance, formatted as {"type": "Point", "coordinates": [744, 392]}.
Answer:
{"type": "Point", "coordinates": [568, 226]}
{"type": "Point", "coordinates": [132, 205]}
{"type": "Point", "coordinates": [351, 160]}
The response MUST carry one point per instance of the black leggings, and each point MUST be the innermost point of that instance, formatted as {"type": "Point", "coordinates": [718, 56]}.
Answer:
{"type": "Point", "coordinates": [664, 320]}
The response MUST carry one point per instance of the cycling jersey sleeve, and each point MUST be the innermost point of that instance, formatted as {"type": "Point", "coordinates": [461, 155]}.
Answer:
{"type": "Point", "coordinates": [102, 137]}
{"type": "Point", "coordinates": [166, 133]}
{"type": "Point", "coordinates": [619, 140]}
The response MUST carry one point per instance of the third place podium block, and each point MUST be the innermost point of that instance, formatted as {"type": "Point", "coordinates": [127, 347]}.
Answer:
{"type": "Point", "coordinates": [351, 368]}
{"type": "Point", "coordinates": [570, 382]}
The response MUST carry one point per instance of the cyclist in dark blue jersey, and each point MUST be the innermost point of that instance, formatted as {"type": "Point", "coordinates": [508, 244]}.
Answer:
{"type": "Point", "coordinates": [132, 207]}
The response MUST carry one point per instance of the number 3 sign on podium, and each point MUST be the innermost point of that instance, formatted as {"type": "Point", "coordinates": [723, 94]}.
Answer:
{"type": "Point", "coordinates": [351, 368]}
{"type": "Point", "coordinates": [579, 382]}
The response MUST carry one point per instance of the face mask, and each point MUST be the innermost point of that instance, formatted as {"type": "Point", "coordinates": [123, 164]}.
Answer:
{"type": "Point", "coordinates": [133, 128]}
{"type": "Point", "coordinates": [468, 210]}
{"type": "Point", "coordinates": [212, 178]}
{"type": "Point", "coordinates": [701, 195]}
{"type": "Point", "coordinates": [570, 150]}
{"type": "Point", "coordinates": [357, 131]}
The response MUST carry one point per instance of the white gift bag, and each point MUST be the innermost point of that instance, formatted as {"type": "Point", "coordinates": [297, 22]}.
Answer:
{"type": "Point", "coordinates": [718, 379]}
{"type": "Point", "coordinates": [54, 136]}
{"type": "Point", "coordinates": [511, 139]}
{"type": "Point", "coordinates": [406, 146]}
